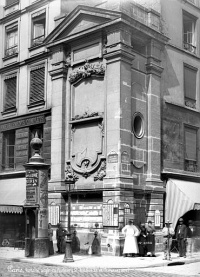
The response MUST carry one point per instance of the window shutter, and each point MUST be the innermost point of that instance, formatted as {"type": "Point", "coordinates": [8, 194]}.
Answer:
{"type": "Point", "coordinates": [190, 83]}
{"type": "Point", "coordinates": [10, 96]}
{"type": "Point", "coordinates": [191, 144]}
{"type": "Point", "coordinates": [10, 2]}
{"type": "Point", "coordinates": [37, 85]}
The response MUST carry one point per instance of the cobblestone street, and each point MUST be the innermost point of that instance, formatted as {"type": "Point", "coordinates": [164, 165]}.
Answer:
{"type": "Point", "coordinates": [20, 269]}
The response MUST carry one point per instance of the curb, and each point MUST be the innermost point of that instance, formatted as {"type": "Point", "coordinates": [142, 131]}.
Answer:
{"type": "Point", "coordinates": [162, 264]}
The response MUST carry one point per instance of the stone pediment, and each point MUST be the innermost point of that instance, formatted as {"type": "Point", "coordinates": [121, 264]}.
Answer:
{"type": "Point", "coordinates": [81, 19]}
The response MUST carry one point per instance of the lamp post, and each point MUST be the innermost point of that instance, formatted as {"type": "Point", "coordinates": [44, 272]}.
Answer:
{"type": "Point", "coordinates": [68, 250]}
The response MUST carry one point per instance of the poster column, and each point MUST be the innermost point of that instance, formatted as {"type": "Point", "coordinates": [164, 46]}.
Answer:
{"type": "Point", "coordinates": [36, 206]}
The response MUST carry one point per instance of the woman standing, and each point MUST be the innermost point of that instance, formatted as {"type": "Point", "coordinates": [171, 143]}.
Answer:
{"type": "Point", "coordinates": [150, 239]}
{"type": "Point", "coordinates": [130, 245]}
{"type": "Point", "coordinates": [50, 235]}
{"type": "Point", "coordinates": [142, 241]}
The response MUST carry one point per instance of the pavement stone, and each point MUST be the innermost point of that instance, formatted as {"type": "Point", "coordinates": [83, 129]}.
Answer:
{"type": "Point", "coordinates": [92, 261]}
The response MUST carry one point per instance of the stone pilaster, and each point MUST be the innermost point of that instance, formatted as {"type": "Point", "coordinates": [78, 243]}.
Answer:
{"type": "Point", "coordinates": [58, 75]}
{"type": "Point", "coordinates": [154, 71]}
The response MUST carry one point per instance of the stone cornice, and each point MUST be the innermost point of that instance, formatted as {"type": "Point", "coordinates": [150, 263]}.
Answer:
{"type": "Point", "coordinates": [57, 73]}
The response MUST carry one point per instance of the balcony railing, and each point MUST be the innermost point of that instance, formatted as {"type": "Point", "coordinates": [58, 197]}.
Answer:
{"type": "Point", "coordinates": [189, 47]}
{"type": "Point", "coordinates": [190, 103]}
{"type": "Point", "coordinates": [38, 40]}
{"type": "Point", "coordinates": [11, 51]}
{"type": "Point", "coordinates": [190, 165]}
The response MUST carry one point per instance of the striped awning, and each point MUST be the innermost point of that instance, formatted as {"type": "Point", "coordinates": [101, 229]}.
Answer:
{"type": "Point", "coordinates": [181, 197]}
{"type": "Point", "coordinates": [12, 195]}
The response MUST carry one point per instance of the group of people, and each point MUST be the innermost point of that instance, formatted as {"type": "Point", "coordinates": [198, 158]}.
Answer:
{"type": "Point", "coordinates": [139, 240]}
{"type": "Point", "coordinates": [185, 237]}
{"type": "Point", "coordinates": [60, 237]}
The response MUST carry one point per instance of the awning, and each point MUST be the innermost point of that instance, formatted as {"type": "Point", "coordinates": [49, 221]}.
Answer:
{"type": "Point", "coordinates": [12, 195]}
{"type": "Point", "coordinates": [181, 197]}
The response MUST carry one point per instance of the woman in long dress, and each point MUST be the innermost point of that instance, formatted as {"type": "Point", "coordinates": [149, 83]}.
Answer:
{"type": "Point", "coordinates": [150, 239]}
{"type": "Point", "coordinates": [130, 245]}
{"type": "Point", "coordinates": [50, 235]}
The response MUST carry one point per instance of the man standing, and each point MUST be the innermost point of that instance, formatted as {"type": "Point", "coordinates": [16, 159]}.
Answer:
{"type": "Point", "coordinates": [130, 245]}
{"type": "Point", "coordinates": [191, 233]}
{"type": "Point", "coordinates": [168, 233]}
{"type": "Point", "coordinates": [181, 236]}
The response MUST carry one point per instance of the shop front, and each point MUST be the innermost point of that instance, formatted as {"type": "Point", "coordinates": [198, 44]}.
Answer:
{"type": "Point", "coordinates": [12, 215]}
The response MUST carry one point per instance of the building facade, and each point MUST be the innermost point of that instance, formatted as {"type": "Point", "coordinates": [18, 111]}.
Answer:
{"type": "Point", "coordinates": [111, 88]}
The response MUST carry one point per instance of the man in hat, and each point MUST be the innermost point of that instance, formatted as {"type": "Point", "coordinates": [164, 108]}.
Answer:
{"type": "Point", "coordinates": [168, 233]}
{"type": "Point", "coordinates": [191, 233]}
{"type": "Point", "coordinates": [181, 236]}
{"type": "Point", "coordinates": [131, 233]}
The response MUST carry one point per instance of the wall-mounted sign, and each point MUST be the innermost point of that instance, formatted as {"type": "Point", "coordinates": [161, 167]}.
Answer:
{"type": "Point", "coordinates": [111, 215]}
{"type": "Point", "coordinates": [54, 214]}
{"type": "Point", "coordinates": [113, 157]}
{"type": "Point", "coordinates": [125, 157]}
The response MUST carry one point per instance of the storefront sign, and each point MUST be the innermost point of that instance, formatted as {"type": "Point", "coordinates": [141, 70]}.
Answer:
{"type": "Point", "coordinates": [22, 123]}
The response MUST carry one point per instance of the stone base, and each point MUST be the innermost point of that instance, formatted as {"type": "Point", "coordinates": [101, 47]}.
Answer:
{"type": "Point", "coordinates": [37, 248]}
{"type": "Point", "coordinates": [112, 244]}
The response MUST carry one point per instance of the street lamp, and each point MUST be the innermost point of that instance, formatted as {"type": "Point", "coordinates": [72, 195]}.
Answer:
{"type": "Point", "coordinates": [68, 250]}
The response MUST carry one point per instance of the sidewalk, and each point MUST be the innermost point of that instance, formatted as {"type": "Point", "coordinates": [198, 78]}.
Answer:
{"type": "Point", "coordinates": [91, 261]}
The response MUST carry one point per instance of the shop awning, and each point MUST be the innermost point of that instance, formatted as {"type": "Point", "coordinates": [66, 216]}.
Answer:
{"type": "Point", "coordinates": [12, 195]}
{"type": "Point", "coordinates": [181, 197]}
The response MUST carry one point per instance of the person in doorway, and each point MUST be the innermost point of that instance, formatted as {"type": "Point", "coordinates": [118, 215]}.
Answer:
{"type": "Point", "coordinates": [168, 233]}
{"type": "Point", "coordinates": [142, 240]}
{"type": "Point", "coordinates": [50, 235]}
{"type": "Point", "coordinates": [150, 239]}
{"type": "Point", "coordinates": [131, 233]}
{"type": "Point", "coordinates": [191, 233]}
{"type": "Point", "coordinates": [181, 236]}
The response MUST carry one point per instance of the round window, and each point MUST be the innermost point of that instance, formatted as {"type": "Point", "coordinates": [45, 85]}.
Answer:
{"type": "Point", "coordinates": [138, 125]}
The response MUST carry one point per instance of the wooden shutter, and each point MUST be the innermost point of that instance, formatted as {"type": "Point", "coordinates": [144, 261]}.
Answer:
{"type": "Point", "coordinates": [37, 85]}
{"type": "Point", "coordinates": [190, 82]}
{"type": "Point", "coordinates": [10, 2]}
{"type": "Point", "coordinates": [10, 95]}
{"type": "Point", "coordinates": [190, 144]}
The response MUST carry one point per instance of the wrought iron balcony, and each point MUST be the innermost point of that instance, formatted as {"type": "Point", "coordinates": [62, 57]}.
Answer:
{"type": "Point", "coordinates": [189, 47]}
{"type": "Point", "coordinates": [11, 51]}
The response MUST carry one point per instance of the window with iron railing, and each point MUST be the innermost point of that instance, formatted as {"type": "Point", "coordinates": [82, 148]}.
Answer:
{"type": "Point", "coordinates": [189, 35]}
{"type": "Point", "coordinates": [11, 40]}
{"type": "Point", "coordinates": [38, 28]}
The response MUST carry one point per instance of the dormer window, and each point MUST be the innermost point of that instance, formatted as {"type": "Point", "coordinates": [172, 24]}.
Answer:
{"type": "Point", "coordinates": [38, 27]}
{"type": "Point", "coordinates": [189, 33]}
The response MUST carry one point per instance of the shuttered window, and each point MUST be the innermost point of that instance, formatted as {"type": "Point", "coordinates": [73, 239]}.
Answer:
{"type": "Point", "coordinates": [190, 82]}
{"type": "Point", "coordinates": [37, 82]}
{"type": "Point", "coordinates": [10, 2]}
{"type": "Point", "coordinates": [10, 92]}
{"type": "Point", "coordinates": [190, 144]}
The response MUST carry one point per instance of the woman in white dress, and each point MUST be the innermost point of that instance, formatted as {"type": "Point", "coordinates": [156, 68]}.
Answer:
{"type": "Point", "coordinates": [131, 233]}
